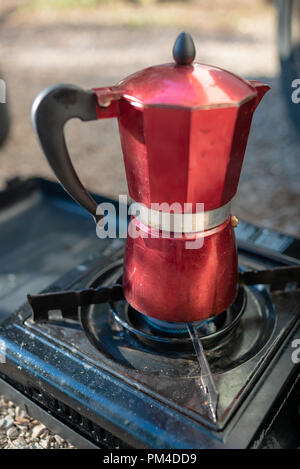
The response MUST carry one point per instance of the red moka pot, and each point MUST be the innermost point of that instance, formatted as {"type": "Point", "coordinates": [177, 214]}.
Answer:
{"type": "Point", "coordinates": [184, 128]}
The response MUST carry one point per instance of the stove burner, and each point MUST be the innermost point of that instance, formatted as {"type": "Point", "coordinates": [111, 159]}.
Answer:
{"type": "Point", "coordinates": [208, 326]}
{"type": "Point", "coordinates": [131, 340]}
{"type": "Point", "coordinates": [213, 331]}
{"type": "Point", "coordinates": [157, 357]}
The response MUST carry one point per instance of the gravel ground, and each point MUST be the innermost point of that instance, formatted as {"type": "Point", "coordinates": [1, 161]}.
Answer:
{"type": "Point", "coordinates": [100, 48]}
{"type": "Point", "coordinates": [19, 431]}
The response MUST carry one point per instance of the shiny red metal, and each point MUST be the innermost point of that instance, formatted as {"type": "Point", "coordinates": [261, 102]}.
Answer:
{"type": "Point", "coordinates": [174, 153]}
{"type": "Point", "coordinates": [164, 280]}
{"type": "Point", "coordinates": [184, 131]}
{"type": "Point", "coordinates": [191, 86]}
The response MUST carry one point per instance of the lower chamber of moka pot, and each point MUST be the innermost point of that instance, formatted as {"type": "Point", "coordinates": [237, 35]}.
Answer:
{"type": "Point", "coordinates": [229, 339]}
{"type": "Point", "coordinates": [173, 278]}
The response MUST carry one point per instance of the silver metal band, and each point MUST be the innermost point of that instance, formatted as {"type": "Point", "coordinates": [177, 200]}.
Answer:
{"type": "Point", "coordinates": [180, 222]}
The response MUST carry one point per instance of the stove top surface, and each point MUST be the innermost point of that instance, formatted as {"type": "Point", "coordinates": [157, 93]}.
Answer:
{"type": "Point", "coordinates": [170, 372]}
{"type": "Point", "coordinates": [120, 380]}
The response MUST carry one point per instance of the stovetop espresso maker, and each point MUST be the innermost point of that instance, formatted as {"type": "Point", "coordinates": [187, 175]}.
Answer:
{"type": "Point", "coordinates": [184, 128]}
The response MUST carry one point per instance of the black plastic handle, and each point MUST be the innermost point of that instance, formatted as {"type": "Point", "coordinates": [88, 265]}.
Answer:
{"type": "Point", "coordinates": [51, 110]}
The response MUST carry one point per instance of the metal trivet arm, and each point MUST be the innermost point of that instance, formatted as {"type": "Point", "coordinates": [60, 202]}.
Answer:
{"type": "Point", "coordinates": [277, 278]}
{"type": "Point", "coordinates": [68, 302]}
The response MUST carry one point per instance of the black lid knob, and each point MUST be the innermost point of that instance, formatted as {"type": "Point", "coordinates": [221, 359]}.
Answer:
{"type": "Point", "coordinates": [184, 50]}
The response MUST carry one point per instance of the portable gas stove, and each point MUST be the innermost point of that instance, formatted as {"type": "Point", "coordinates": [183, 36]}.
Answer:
{"type": "Point", "coordinates": [103, 375]}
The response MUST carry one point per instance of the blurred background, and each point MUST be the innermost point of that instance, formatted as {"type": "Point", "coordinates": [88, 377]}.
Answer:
{"type": "Point", "coordinates": [95, 43]}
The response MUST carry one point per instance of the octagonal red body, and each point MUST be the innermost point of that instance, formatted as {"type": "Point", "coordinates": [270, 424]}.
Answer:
{"type": "Point", "coordinates": [183, 133]}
